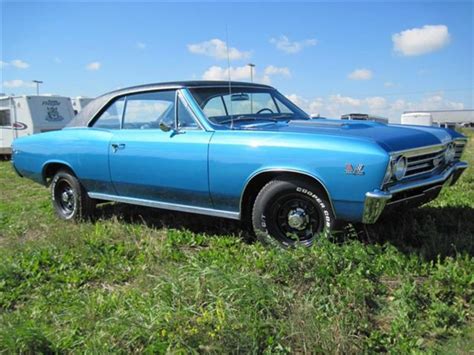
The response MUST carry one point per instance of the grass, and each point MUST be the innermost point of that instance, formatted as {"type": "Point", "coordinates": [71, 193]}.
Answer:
{"type": "Point", "coordinates": [144, 280]}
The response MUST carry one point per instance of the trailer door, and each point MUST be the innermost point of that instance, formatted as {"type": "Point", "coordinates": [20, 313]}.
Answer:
{"type": "Point", "coordinates": [5, 131]}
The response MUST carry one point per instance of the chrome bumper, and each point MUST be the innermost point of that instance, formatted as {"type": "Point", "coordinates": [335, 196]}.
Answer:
{"type": "Point", "coordinates": [375, 201]}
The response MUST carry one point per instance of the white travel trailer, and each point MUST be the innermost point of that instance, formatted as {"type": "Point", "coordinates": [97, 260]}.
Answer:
{"type": "Point", "coordinates": [417, 118]}
{"type": "Point", "coordinates": [26, 115]}
{"type": "Point", "coordinates": [79, 102]}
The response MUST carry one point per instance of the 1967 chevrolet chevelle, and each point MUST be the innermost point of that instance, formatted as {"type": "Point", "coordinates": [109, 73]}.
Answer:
{"type": "Point", "coordinates": [241, 151]}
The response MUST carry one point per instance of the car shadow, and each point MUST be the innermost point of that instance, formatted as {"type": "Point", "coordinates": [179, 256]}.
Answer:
{"type": "Point", "coordinates": [159, 218]}
{"type": "Point", "coordinates": [427, 231]}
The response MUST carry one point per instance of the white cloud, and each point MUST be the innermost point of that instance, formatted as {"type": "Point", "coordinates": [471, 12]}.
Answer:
{"type": "Point", "coordinates": [417, 41]}
{"type": "Point", "coordinates": [217, 49]}
{"type": "Point", "coordinates": [17, 63]}
{"type": "Point", "coordinates": [344, 100]}
{"type": "Point", "coordinates": [141, 45]}
{"type": "Point", "coordinates": [243, 73]}
{"type": "Point", "coordinates": [284, 44]}
{"type": "Point", "coordinates": [18, 83]}
{"type": "Point", "coordinates": [93, 66]}
{"type": "Point", "coordinates": [388, 84]}
{"type": "Point", "coordinates": [219, 73]}
{"type": "Point", "coordinates": [376, 103]}
{"type": "Point", "coordinates": [311, 106]}
{"type": "Point", "coordinates": [336, 105]}
{"type": "Point", "coordinates": [361, 74]}
{"type": "Point", "coordinates": [273, 70]}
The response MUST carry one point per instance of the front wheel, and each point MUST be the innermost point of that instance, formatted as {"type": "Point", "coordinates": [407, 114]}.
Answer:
{"type": "Point", "coordinates": [288, 212]}
{"type": "Point", "coordinates": [70, 199]}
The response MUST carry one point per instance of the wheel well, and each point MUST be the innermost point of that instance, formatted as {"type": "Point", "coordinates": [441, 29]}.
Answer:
{"type": "Point", "coordinates": [51, 169]}
{"type": "Point", "coordinates": [258, 182]}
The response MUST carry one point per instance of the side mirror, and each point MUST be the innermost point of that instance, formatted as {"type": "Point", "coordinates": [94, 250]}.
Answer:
{"type": "Point", "coordinates": [164, 127]}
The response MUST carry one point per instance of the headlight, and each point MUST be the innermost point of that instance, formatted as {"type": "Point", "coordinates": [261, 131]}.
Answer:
{"type": "Point", "coordinates": [450, 153]}
{"type": "Point", "coordinates": [400, 167]}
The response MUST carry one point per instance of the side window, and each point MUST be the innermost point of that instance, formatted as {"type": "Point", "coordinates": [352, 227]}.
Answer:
{"type": "Point", "coordinates": [147, 111]}
{"type": "Point", "coordinates": [111, 118]}
{"type": "Point", "coordinates": [185, 117]}
{"type": "Point", "coordinates": [5, 119]}
{"type": "Point", "coordinates": [215, 107]}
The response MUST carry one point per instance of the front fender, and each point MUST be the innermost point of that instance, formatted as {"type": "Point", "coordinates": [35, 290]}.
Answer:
{"type": "Point", "coordinates": [236, 157]}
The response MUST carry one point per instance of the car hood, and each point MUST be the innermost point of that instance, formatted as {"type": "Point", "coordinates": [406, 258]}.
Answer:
{"type": "Point", "coordinates": [390, 137]}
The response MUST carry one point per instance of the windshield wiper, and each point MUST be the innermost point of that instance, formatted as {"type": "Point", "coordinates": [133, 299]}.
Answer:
{"type": "Point", "coordinates": [246, 118]}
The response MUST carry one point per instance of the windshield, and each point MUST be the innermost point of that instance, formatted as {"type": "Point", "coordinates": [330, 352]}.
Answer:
{"type": "Point", "coordinates": [245, 104]}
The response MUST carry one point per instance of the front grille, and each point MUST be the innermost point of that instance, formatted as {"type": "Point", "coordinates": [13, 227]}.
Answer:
{"type": "Point", "coordinates": [460, 144]}
{"type": "Point", "coordinates": [425, 163]}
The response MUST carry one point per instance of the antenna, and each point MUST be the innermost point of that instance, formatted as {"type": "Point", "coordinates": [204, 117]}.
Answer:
{"type": "Point", "coordinates": [228, 72]}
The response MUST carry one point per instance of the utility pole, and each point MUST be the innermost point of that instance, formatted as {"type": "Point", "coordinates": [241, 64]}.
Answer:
{"type": "Point", "coordinates": [251, 66]}
{"type": "Point", "coordinates": [37, 82]}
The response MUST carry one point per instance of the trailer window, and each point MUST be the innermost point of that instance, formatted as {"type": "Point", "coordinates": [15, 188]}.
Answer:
{"type": "Point", "coordinates": [5, 119]}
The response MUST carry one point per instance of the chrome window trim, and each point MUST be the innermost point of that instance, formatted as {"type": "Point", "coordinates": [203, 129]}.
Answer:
{"type": "Point", "coordinates": [166, 205]}
{"type": "Point", "coordinates": [182, 97]}
{"type": "Point", "coordinates": [130, 92]}
{"type": "Point", "coordinates": [196, 109]}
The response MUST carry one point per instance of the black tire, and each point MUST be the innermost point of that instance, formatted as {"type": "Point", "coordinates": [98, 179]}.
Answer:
{"type": "Point", "coordinates": [70, 199]}
{"type": "Point", "coordinates": [290, 212]}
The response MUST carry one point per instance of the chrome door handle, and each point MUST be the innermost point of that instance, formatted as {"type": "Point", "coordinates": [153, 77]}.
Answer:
{"type": "Point", "coordinates": [117, 146]}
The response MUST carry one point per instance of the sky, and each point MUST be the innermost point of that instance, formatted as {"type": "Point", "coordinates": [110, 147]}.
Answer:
{"type": "Point", "coordinates": [330, 58]}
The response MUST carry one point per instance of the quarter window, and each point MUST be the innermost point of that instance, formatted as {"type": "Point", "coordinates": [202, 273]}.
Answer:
{"type": "Point", "coordinates": [185, 117]}
{"type": "Point", "coordinates": [5, 119]}
{"type": "Point", "coordinates": [147, 111]}
{"type": "Point", "coordinates": [111, 118]}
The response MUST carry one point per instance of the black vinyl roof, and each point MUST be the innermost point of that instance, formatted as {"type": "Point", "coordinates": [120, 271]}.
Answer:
{"type": "Point", "coordinates": [83, 118]}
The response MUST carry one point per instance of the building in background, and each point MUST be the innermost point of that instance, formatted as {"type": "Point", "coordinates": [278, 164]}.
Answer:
{"type": "Point", "coordinates": [441, 118]}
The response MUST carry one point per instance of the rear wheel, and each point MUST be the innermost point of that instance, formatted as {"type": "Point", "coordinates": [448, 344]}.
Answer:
{"type": "Point", "coordinates": [70, 199]}
{"type": "Point", "coordinates": [291, 212]}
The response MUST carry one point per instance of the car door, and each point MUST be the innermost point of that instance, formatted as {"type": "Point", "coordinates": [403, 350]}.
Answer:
{"type": "Point", "coordinates": [147, 162]}
{"type": "Point", "coordinates": [92, 148]}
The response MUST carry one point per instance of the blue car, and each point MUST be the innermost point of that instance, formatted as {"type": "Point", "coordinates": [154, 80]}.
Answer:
{"type": "Point", "coordinates": [241, 151]}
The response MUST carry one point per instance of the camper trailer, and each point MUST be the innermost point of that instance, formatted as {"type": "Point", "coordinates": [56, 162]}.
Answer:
{"type": "Point", "coordinates": [417, 118]}
{"type": "Point", "coordinates": [26, 115]}
{"type": "Point", "coordinates": [79, 102]}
